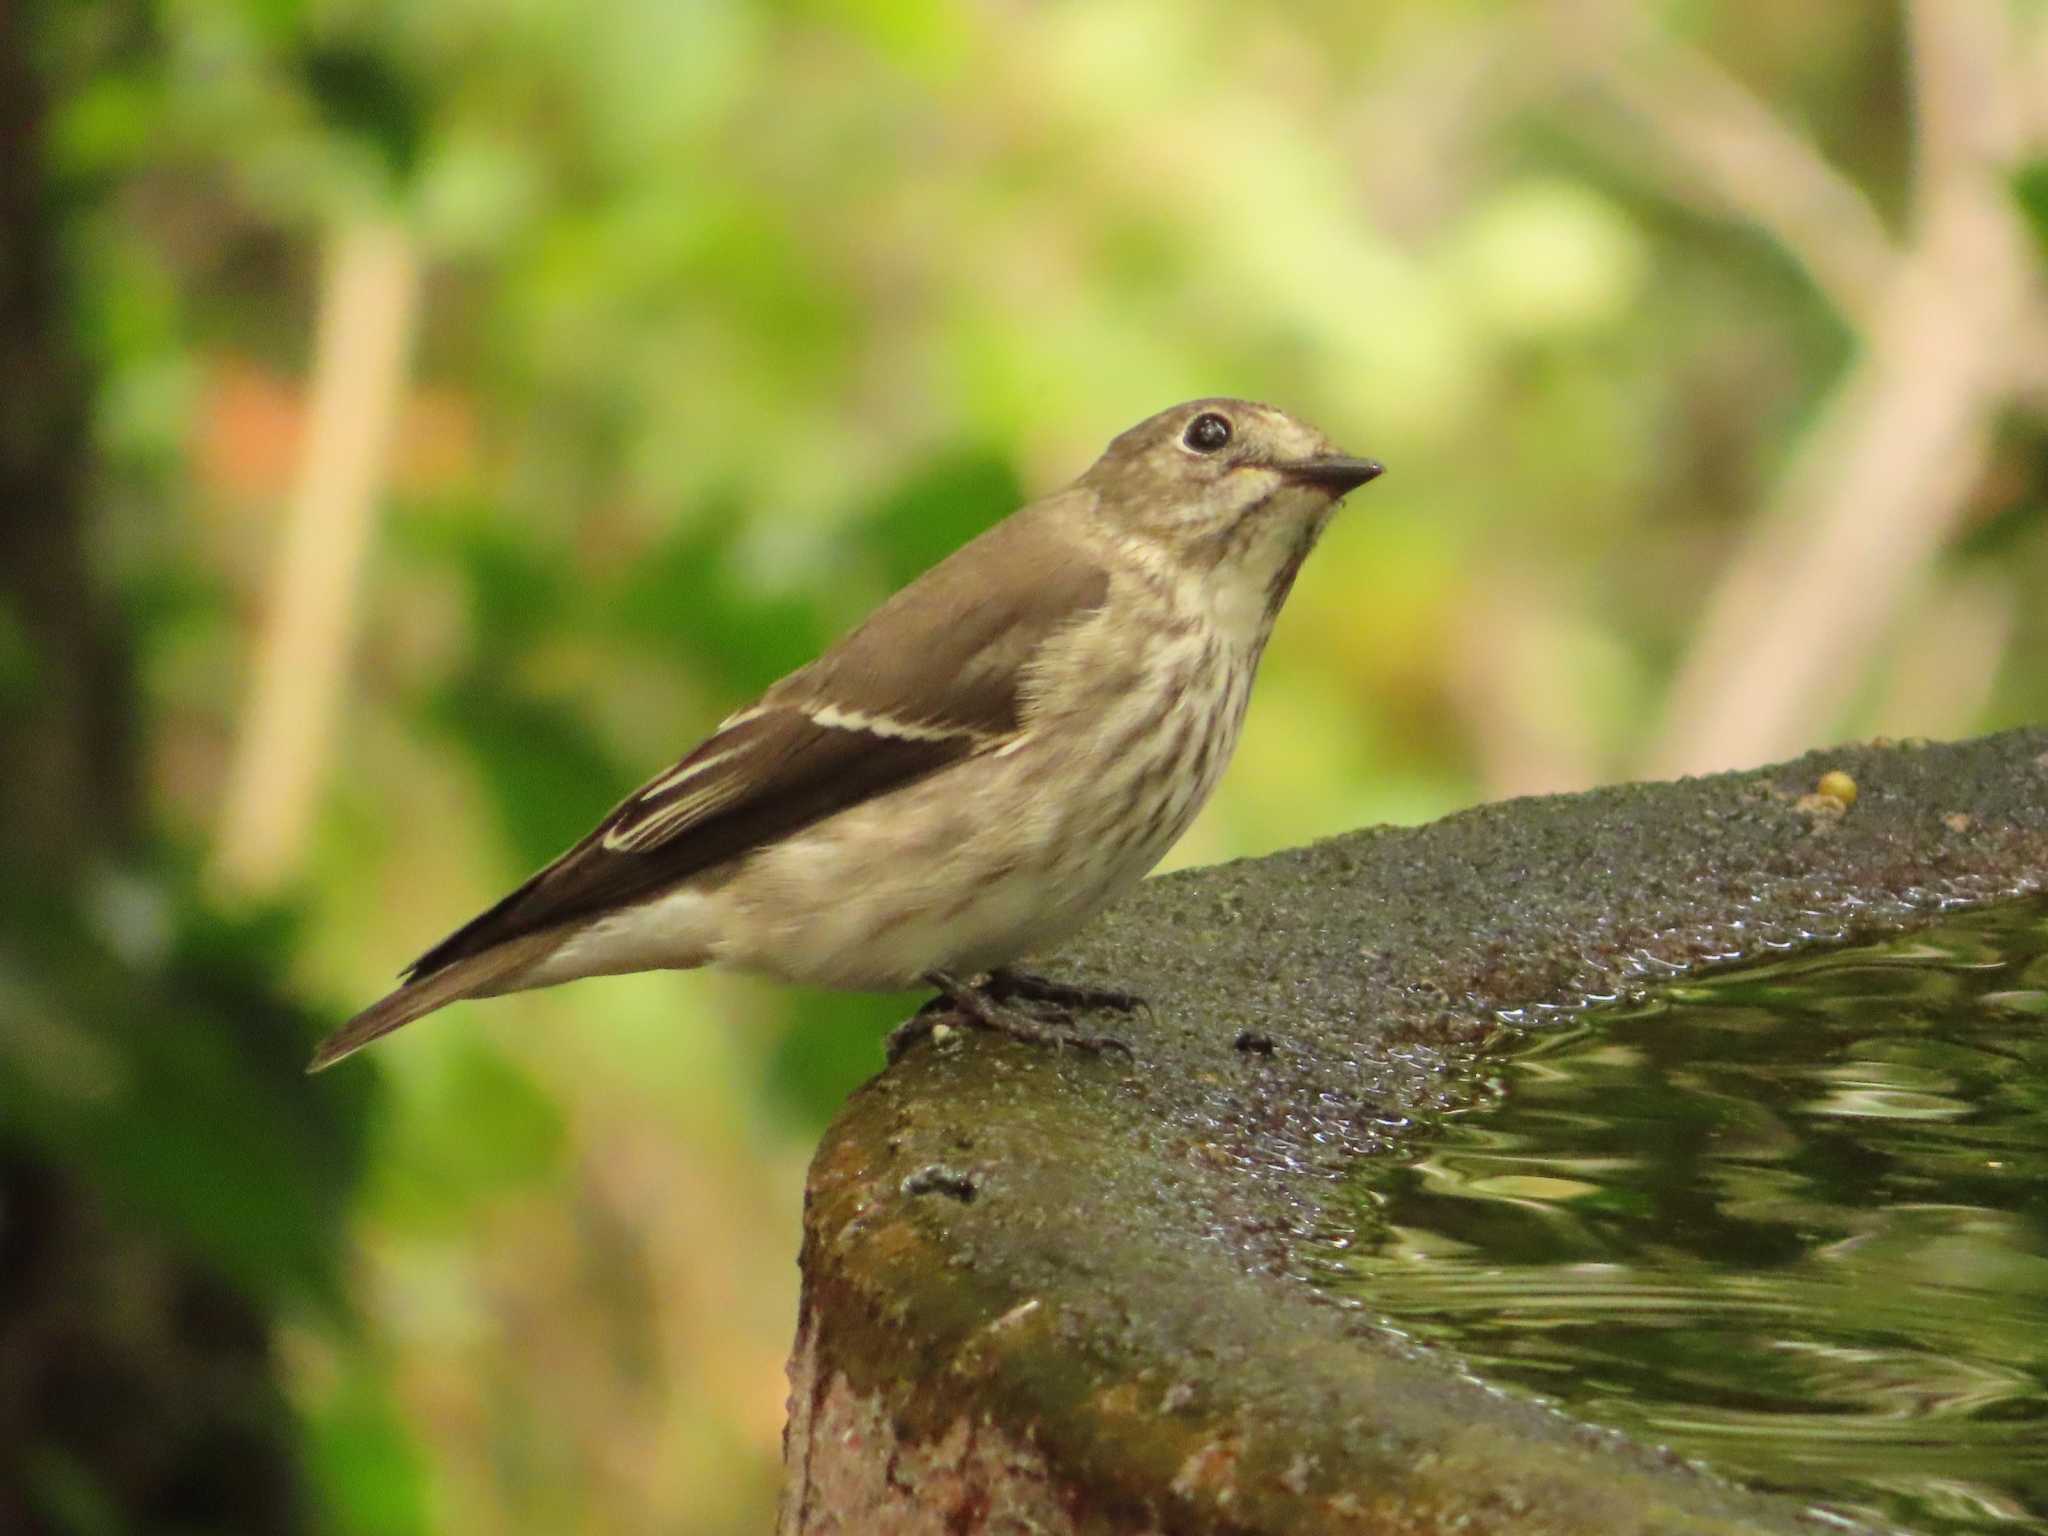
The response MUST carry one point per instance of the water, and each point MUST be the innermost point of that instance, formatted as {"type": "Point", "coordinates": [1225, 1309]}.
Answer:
{"type": "Point", "coordinates": [1790, 1221]}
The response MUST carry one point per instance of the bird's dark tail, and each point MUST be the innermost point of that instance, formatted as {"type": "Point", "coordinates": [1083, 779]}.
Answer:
{"type": "Point", "coordinates": [483, 975]}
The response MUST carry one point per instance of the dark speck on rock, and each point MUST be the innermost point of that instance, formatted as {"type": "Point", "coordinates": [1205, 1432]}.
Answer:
{"type": "Point", "coordinates": [938, 1179]}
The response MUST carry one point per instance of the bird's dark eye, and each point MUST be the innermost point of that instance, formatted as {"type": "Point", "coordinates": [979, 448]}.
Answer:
{"type": "Point", "coordinates": [1207, 432]}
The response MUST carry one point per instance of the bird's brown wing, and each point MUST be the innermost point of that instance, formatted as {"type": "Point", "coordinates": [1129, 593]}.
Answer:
{"type": "Point", "coordinates": [933, 677]}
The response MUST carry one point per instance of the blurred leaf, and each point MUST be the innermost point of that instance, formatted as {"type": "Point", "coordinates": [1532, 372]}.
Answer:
{"type": "Point", "coordinates": [107, 125]}
{"type": "Point", "coordinates": [1545, 259]}
{"type": "Point", "coordinates": [2030, 187]}
{"type": "Point", "coordinates": [17, 661]}
{"type": "Point", "coordinates": [178, 1088]}
{"type": "Point", "coordinates": [520, 589]}
{"type": "Point", "coordinates": [926, 36]}
{"type": "Point", "coordinates": [370, 1472]}
{"type": "Point", "coordinates": [548, 773]}
{"type": "Point", "coordinates": [683, 598]}
{"type": "Point", "coordinates": [832, 1046]}
{"type": "Point", "coordinates": [750, 255]}
{"type": "Point", "coordinates": [475, 1125]}
{"type": "Point", "coordinates": [363, 93]}
{"type": "Point", "coordinates": [933, 511]}
{"type": "Point", "coordinates": [278, 22]}
{"type": "Point", "coordinates": [66, 1496]}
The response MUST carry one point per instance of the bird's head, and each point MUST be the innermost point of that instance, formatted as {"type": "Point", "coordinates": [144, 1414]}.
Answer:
{"type": "Point", "coordinates": [1230, 492]}
{"type": "Point", "coordinates": [1202, 470]}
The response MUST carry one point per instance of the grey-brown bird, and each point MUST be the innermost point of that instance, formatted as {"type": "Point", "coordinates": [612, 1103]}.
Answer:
{"type": "Point", "coordinates": [1003, 748]}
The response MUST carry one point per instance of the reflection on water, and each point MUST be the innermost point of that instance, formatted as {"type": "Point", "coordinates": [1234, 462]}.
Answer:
{"type": "Point", "coordinates": [1791, 1221]}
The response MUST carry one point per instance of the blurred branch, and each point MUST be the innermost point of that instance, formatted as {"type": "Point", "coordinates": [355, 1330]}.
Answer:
{"type": "Point", "coordinates": [1725, 141]}
{"type": "Point", "coordinates": [368, 301]}
{"type": "Point", "coordinates": [1969, 97]}
{"type": "Point", "coordinates": [1881, 481]}
{"type": "Point", "coordinates": [64, 695]}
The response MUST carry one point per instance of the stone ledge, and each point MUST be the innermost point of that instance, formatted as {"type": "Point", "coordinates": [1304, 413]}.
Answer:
{"type": "Point", "coordinates": [1058, 1293]}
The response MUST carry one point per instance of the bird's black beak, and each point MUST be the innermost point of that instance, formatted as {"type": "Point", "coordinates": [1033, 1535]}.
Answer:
{"type": "Point", "coordinates": [1334, 472]}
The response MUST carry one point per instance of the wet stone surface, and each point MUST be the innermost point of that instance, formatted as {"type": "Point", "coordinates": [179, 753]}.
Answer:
{"type": "Point", "coordinates": [1114, 1332]}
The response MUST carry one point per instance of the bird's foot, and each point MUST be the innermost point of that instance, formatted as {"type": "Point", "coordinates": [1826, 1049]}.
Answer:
{"type": "Point", "coordinates": [913, 1029]}
{"type": "Point", "coordinates": [989, 1007]}
{"type": "Point", "coordinates": [1005, 985]}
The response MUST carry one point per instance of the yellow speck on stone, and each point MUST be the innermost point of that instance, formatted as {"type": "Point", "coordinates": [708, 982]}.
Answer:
{"type": "Point", "coordinates": [1837, 785]}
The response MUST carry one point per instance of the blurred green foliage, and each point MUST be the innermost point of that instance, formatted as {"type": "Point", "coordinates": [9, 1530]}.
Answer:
{"type": "Point", "coordinates": [737, 315]}
{"type": "Point", "coordinates": [169, 1182]}
{"type": "Point", "coordinates": [185, 1042]}
{"type": "Point", "coordinates": [2030, 186]}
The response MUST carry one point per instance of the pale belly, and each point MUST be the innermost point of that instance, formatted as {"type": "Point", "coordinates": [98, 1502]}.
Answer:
{"type": "Point", "coordinates": [865, 903]}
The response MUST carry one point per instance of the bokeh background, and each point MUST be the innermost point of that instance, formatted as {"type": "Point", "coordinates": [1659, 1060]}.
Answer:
{"type": "Point", "coordinates": [420, 418]}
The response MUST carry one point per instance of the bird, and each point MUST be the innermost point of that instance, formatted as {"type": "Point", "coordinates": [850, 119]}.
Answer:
{"type": "Point", "coordinates": [998, 752]}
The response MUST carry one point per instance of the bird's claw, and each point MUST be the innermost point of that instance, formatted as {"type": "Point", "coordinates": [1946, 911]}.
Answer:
{"type": "Point", "coordinates": [989, 1007]}
{"type": "Point", "coordinates": [1006, 985]}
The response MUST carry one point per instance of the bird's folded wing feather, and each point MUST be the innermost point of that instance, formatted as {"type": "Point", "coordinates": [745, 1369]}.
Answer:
{"type": "Point", "coordinates": [934, 677]}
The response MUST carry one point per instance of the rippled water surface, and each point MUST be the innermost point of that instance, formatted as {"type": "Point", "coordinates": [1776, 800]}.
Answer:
{"type": "Point", "coordinates": [1791, 1221]}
